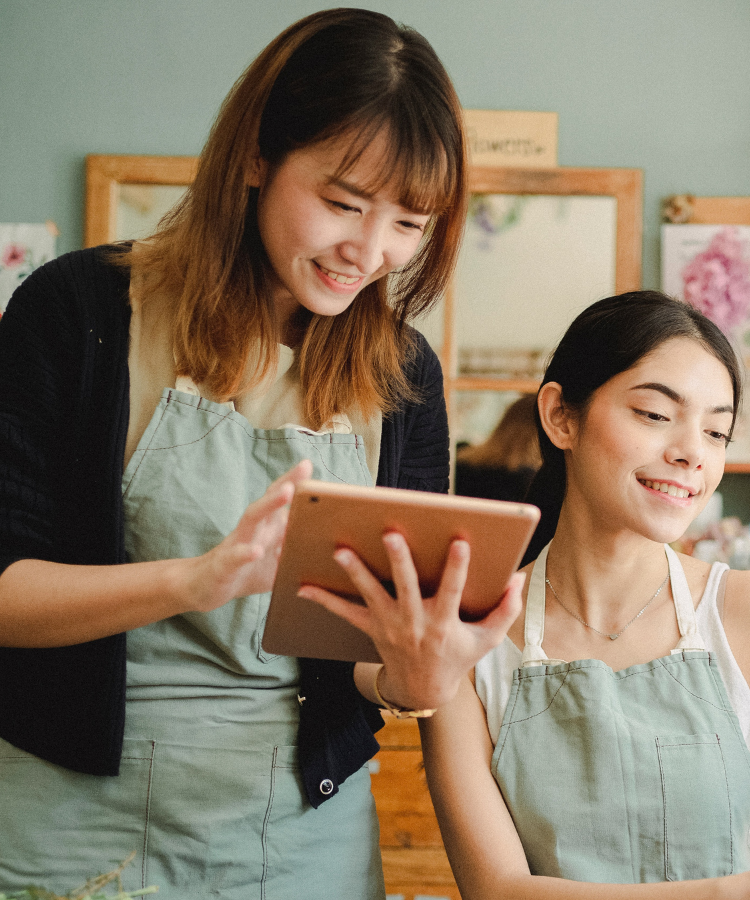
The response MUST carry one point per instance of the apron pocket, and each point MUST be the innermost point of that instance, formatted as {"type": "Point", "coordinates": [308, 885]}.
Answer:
{"type": "Point", "coordinates": [335, 847]}
{"type": "Point", "coordinates": [59, 828]}
{"type": "Point", "coordinates": [697, 811]}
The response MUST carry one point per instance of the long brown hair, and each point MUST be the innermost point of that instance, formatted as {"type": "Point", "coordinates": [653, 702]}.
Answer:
{"type": "Point", "coordinates": [346, 74]}
{"type": "Point", "coordinates": [513, 444]}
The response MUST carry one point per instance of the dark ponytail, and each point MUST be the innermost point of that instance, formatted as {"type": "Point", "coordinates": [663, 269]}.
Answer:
{"type": "Point", "coordinates": [607, 338]}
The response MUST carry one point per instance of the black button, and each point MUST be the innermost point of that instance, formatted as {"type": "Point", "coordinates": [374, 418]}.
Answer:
{"type": "Point", "coordinates": [326, 787]}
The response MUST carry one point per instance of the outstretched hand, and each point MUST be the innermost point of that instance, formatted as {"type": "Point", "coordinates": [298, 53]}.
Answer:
{"type": "Point", "coordinates": [245, 562]}
{"type": "Point", "coordinates": [425, 646]}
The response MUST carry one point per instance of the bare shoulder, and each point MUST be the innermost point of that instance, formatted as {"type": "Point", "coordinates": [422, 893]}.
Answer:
{"type": "Point", "coordinates": [737, 595]}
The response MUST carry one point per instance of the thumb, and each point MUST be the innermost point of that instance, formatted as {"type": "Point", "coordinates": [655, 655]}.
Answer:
{"type": "Point", "coordinates": [506, 612]}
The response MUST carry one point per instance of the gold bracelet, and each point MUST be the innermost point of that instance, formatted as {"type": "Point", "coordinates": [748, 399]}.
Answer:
{"type": "Point", "coordinates": [397, 711]}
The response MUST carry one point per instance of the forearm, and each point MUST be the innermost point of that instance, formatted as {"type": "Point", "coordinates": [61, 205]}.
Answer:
{"type": "Point", "coordinates": [532, 887]}
{"type": "Point", "coordinates": [45, 604]}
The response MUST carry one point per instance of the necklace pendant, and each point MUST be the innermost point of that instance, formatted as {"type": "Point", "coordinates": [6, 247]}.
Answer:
{"type": "Point", "coordinates": [613, 637]}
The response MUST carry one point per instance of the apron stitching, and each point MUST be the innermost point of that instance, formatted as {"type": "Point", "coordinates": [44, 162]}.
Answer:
{"type": "Point", "coordinates": [664, 802]}
{"type": "Point", "coordinates": [517, 690]}
{"type": "Point", "coordinates": [144, 863]}
{"type": "Point", "coordinates": [323, 464]}
{"type": "Point", "coordinates": [729, 804]}
{"type": "Point", "coordinates": [643, 668]}
{"type": "Point", "coordinates": [733, 719]}
{"type": "Point", "coordinates": [144, 452]}
{"type": "Point", "coordinates": [548, 706]}
{"type": "Point", "coordinates": [692, 693]}
{"type": "Point", "coordinates": [266, 818]}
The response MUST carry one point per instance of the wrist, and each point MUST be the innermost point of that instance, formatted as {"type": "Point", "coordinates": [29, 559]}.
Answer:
{"type": "Point", "coordinates": [398, 711]}
{"type": "Point", "coordinates": [182, 585]}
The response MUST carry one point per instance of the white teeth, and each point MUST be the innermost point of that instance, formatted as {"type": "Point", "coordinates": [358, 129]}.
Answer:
{"type": "Point", "coordinates": [665, 488]}
{"type": "Point", "coordinates": [342, 279]}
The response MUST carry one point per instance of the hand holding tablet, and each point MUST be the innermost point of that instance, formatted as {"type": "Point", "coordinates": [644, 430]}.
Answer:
{"type": "Point", "coordinates": [327, 517]}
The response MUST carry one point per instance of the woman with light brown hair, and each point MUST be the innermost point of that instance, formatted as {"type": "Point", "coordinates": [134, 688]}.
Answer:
{"type": "Point", "coordinates": [502, 466]}
{"type": "Point", "coordinates": [155, 395]}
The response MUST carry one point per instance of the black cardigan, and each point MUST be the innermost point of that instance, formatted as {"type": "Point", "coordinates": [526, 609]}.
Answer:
{"type": "Point", "coordinates": [64, 407]}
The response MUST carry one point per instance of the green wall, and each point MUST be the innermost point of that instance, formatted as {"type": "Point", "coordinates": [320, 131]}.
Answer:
{"type": "Point", "coordinates": [663, 85]}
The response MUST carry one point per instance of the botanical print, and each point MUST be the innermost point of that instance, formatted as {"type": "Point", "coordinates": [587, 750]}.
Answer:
{"type": "Point", "coordinates": [708, 266]}
{"type": "Point", "coordinates": [23, 248]}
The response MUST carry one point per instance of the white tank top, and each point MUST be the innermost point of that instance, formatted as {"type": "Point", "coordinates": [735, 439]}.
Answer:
{"type": "Point", "coordinates": [494, 672]}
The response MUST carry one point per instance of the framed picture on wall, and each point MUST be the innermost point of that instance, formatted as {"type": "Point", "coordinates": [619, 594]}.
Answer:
{"type": "Point", "coordinates": [708, 266]}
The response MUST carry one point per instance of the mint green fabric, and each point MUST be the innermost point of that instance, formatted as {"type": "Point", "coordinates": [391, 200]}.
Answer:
{"type": "Point", "coordinates": [640, 775]}
{"type": "Point", "coordinates": [210, 795]}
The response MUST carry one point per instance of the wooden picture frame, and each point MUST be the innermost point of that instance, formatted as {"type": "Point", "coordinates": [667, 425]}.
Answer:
{"type": "Point", "coordinates": [106, 173]}
{"type": "Point", "coordinates": [687, 209]}
{"type": "Point", "coordinates": [624, 185]}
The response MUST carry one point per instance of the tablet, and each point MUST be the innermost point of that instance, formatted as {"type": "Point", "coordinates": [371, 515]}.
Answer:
{"type": "Point", "coordinates": [324, 516]}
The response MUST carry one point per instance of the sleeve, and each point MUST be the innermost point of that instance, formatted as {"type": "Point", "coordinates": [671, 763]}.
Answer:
{"type": "Point", "coordinates": [64, 704]}
{"type": "Point", "coordinates": [37, 384]}
{"type": "Point", "coordinates": [415, 449]}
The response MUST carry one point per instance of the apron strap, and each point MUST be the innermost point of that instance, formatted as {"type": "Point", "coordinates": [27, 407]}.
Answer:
{"type": "Point", "coordinates": [690, 638]}
{"type": "Point", "coordinates": [533, 629]}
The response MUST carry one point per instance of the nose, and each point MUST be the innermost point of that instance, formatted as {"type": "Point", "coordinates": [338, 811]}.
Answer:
{"type": "Point", "coordinates": [366, 248]}
{"type": "Point", "coordinates": [688, 448]}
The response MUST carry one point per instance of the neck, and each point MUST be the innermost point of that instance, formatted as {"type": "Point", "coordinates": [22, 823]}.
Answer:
{"type": "Point", "coordinates": [605, 578]}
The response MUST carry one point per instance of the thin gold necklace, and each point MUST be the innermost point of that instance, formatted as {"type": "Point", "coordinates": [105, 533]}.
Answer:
{"type": "Point", "coordinates": [612, 637]}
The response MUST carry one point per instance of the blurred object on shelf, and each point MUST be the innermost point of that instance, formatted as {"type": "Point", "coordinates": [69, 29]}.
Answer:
{"type": "Point", "coordinates": [716, 539]}
{"type": "Point", "coordinates": [502, 362]}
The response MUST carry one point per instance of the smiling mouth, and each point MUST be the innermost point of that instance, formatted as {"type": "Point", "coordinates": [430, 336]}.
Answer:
{"type": "Point", "coordinates": [337, 276]}
{"type": "Point", "coordinates": [666, 488]}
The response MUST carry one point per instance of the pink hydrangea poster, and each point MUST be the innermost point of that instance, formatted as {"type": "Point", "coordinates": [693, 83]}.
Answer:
{"type": "Point", "coordinates": [708, 266]}
{"type": "Point", "coordinates": [23, 248]}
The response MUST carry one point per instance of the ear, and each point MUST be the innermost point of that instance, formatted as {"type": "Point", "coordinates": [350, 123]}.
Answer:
{"type": "Point", "coordinates": [256, 172]}
{"type": "Point", "coordinates": [557, 420]}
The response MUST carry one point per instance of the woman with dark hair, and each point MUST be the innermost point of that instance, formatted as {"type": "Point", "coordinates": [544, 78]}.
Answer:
{"type": "Point", "coordinates": [602, 748]}
{"type": "Point", "coordinates": [261, 335]}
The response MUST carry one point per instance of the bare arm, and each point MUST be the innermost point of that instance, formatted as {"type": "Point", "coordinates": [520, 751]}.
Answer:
{"type": "Point", "coordinates": [45, 604]}
{"type": "Point", "coordinates": [480, 838]}
{"type": "Point", "coordinates": [736, 618]}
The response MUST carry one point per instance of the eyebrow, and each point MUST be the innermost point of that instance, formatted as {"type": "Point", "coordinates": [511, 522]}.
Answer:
{"type": "Point", "coordinates": [673, 395]}
{"type": "Point", "coordinates": [351, 188]}
{"type": "Point", "coordinates": [357, 191]}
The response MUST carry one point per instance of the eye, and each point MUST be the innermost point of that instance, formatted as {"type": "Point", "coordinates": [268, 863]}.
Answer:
{"type": "Point", "coordinates": [719, 436]}
{"type": "Point", "coordinates": [650, 416]}
{"type": "Point", "coordinates": [344, 207]}
{"type": "Point", "coordinates": [415, 226]}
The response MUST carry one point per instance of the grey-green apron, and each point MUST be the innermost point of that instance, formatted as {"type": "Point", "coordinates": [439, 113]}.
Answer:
{"type": "Point", "coordinates": [639, 775]}
{"type": "Point", "coordinates": [209, 795]}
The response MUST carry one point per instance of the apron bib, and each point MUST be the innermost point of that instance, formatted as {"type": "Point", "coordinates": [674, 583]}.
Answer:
{"type": "Point", "coordinates": [640, 775]}
{"type": "Point", "coordinates": [210, 795]}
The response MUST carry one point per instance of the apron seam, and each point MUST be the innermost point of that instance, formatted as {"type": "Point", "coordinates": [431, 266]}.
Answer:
{"type": "Point", "coordinates": [552, 700]}
{"type": "Point", "coordinates": [664, 804]}
{"type": "Point", "coordinates": [692, 693]}
{"type": "Point", "coordinates": [147, 813]}
{"type": "Point", "coordinates": [145, 451]}
{"type": "Point", "coordinates": [266, 820]}
{"type": "Point", "coordinates": [729, 805]}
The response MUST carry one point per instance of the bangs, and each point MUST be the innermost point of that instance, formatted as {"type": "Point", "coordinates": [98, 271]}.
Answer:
{"type": "Point", "coordinates": [416, 167]}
